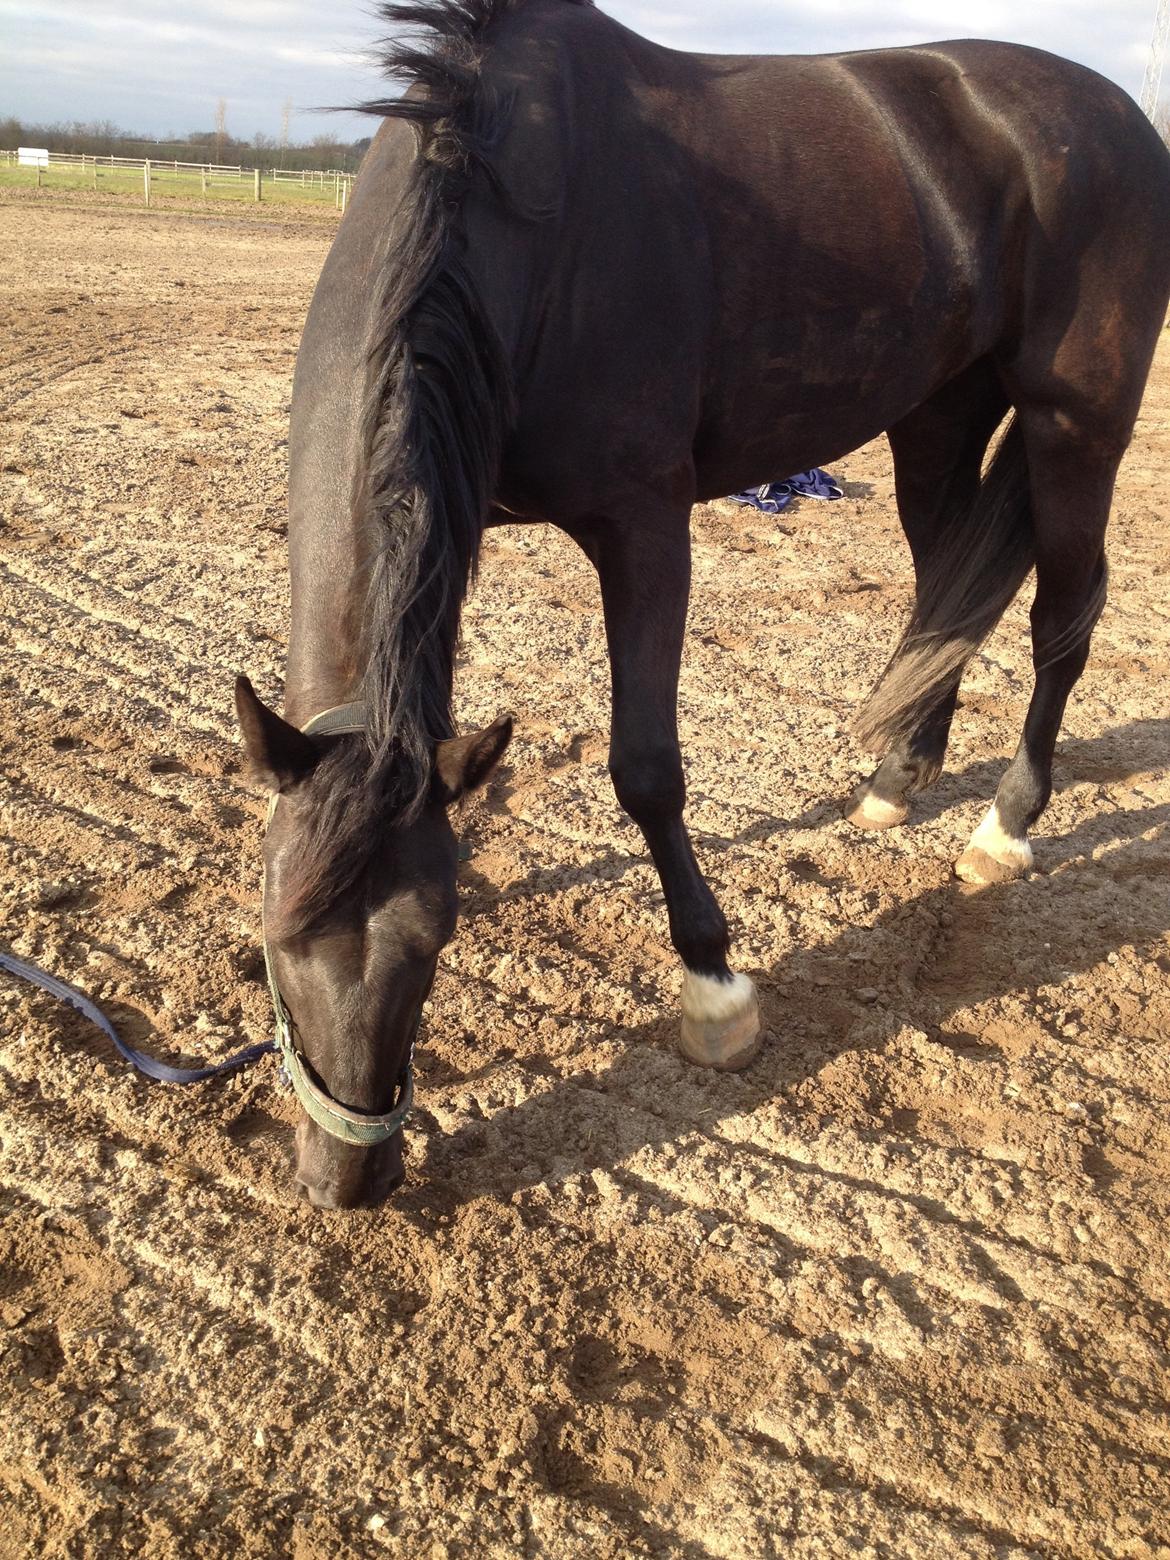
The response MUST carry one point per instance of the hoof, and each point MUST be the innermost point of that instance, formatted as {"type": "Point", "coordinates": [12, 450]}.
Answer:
{"type": "Point", "coordinates": [721, 1022]}
{"type": "Point", "coordinates": [866, 811]}
{"type": "Point", "coordinates": [977, 866]}
{"type": "Point", "coordinates": [994, 856]}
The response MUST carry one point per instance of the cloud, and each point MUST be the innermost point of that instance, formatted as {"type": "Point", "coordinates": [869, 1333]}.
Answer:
{"type": "Point", "coordinates": [155, 67]}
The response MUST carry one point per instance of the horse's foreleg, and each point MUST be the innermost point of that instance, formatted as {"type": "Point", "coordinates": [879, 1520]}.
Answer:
{"type": "Point", "coordinates": [645, 581]}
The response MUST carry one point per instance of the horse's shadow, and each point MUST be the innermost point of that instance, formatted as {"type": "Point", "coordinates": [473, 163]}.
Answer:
{"type": "Point", "coordinates": [855, 488]}
{"type": "Point", "coordinates": [811, 1012]}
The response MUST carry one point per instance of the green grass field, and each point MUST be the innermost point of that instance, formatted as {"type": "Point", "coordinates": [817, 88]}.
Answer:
{"type": "Point", "coordinates": [165, 182]}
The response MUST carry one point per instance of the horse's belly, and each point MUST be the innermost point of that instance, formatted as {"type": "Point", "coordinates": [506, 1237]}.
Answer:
{"type": "Point", "coordinates": [822, 384]}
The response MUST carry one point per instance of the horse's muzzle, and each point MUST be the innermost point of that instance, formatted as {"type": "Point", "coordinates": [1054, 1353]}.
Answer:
{"type": "Point", "coordinates": [330, 1174]}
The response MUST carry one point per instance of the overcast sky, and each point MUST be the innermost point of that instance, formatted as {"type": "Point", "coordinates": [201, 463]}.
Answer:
{"type": "Point", "coordinates": [157, 66]}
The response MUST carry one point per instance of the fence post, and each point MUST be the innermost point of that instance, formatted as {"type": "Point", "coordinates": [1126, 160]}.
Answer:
{"type": "Point", "coordinates": [344, 194]}
{"type": "Point", "coordinates": [258, 184]}
{"type": "Point", "coordinates": [38, 176]}
{"type": "Point", "coordinates": [203, 181]}
{"type": "Point", "coordinates": [146, 180]}
{"type": "Point", "coordinates": [95, 173]}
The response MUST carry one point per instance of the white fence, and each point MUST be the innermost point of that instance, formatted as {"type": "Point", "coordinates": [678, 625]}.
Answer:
{"type": "Point", "coordinates": [332, 180]}
{"type": "Point", "coordinates": [310, 177]}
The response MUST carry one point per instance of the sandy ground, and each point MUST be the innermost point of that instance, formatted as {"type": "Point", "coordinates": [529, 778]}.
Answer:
{"type": "Point", "coordinates": [899, 1290]}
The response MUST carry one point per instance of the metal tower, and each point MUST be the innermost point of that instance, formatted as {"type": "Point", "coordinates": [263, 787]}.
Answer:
{"type": "Point", "coordinates": [1152, 85]}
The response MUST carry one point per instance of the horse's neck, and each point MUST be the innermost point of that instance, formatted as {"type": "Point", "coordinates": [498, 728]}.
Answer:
{"type": "Point", "coordinates": [325, 668]}
{"type": "Point", "coordinates": [328, 559]}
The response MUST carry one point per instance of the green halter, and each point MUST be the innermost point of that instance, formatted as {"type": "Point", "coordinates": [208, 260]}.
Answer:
{"type": "Point", "coordinates": [340, 1121]}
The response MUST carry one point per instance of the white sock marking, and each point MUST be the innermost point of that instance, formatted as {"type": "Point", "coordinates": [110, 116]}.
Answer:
{"type": "Point", "coordinates": [1005, 848]}
{"type": "Point", "coordinates": [708, 1000]}
{"type": "Point", "coordinates": [876, 811]}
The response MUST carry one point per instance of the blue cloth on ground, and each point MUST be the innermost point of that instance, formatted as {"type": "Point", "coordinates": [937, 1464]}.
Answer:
{"type": "Point", "coordinates": [772, 497]}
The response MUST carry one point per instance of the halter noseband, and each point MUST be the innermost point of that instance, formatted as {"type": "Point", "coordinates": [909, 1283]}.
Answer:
{"type": "Point", "coordinates": [340, 1121]}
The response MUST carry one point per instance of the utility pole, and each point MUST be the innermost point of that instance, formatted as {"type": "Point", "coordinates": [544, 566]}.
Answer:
{"type": "Point", "coordinates": [285, 113]}
{"type": "Point", "coordinates": [220, 128]}
{"type": "Point", "coordinates": [1152, 85]}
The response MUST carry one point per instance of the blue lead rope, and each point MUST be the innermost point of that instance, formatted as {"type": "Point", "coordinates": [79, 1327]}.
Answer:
{"type": "Point", "coordinates": [151, 1066]}
{"type": "Point", "coordinates": [360, 1127]}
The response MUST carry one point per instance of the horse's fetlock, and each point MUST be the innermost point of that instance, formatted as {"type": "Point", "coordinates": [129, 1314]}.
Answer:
{"type": "Point", "coordinates": [926, 771]}
{"type": "Point", "coordinates": [705, 948]}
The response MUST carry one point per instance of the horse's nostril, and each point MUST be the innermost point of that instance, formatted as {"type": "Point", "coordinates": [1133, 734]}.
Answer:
{"type": "Point", "coordinates": [319, 1196]}
{"type": "Point", "coordinates": [369, 1197]}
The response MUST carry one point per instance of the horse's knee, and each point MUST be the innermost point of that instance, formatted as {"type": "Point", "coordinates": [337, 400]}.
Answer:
{"type": "Point", "coordinates": [649, 784]}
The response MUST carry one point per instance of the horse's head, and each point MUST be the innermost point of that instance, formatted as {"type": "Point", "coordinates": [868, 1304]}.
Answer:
{"type": "Point", "coordinates": [357, 908]}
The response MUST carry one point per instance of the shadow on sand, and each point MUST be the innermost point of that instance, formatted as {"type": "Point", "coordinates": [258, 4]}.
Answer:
{"type": "Point", "coordinates": [964, 947]}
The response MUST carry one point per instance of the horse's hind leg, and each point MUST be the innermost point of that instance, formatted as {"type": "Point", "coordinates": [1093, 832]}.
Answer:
{"type": "Point", "coordinates": [938, 452]}
{"type": "Point", "coordinates": [644, 567]}
{"type": "Point", "coordinates": [1076, 377]}
{"type": "Point", "coordinates": [1071, 476]}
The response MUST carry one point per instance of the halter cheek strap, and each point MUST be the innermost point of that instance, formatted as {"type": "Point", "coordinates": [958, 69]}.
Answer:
{"type": "Point", "coordinates": [340, 1121]}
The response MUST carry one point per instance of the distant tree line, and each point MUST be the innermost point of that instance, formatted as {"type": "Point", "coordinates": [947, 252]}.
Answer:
{"type": "Point", "coordinates": [103, 138]}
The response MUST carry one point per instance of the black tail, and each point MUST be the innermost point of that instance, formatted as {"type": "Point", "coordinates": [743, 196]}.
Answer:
{"type": "Point", "coordinates": [979, 563]}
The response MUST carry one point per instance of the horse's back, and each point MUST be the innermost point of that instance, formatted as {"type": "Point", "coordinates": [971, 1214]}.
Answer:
{"type": "Point", "coordinates": [768, 259]}
{"type": "Point", "coordinates": [1071, 132]}
{"type": "Point", "coordinates": [749, 251]}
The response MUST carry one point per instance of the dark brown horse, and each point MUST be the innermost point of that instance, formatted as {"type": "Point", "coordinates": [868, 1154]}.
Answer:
{"type": "Point", "coordinates": [587, 280]}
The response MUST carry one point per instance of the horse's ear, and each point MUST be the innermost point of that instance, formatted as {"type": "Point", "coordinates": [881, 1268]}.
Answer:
{"type": "Point", "coordinates": [464, 763]}
{"type": "Point", "coordinates": [279, 755]}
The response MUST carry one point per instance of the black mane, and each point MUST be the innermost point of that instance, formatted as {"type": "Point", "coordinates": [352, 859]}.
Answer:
{"type": "Point", "coordinates": [435, 408]}
{"type": "Point", "coordinates": [436, 399]}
